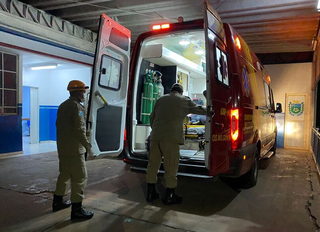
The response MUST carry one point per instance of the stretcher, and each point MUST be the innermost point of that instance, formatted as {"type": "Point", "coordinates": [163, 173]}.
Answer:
{"type": "Point", "coordinates": [194, 132]}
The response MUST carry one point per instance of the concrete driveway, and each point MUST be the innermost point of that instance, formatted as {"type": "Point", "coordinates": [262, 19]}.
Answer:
{"type": "Point", "coordinates": [286, 198]}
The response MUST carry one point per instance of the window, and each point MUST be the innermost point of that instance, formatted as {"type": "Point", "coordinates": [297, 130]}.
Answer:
{"type": "Point", "coordinates": [8, 84]}
{"type": "Point", "coordinates": [110, 76]}
{"type": "Point", "coordinates": [267, 92]}
{"type": "Point", "coordinates": [222, 66]}
{"type": "Point", "coordinates": [272, 100]}
{"type": "Point", "coordinates": [183, 80]}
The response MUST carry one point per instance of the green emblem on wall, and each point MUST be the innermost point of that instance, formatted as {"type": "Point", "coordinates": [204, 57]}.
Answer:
{"type": "Point", "coordinates": [296, 108]}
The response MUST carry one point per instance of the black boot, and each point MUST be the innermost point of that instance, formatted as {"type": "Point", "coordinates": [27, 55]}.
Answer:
{"type": "Point", "coordinates": [77, 212]}
{"type": "Point", "coordinates": [59, 204]}
{"type": "Point", "coordinates": [171, 198]}
{"type": "Point", "coordinates": [152, 193]}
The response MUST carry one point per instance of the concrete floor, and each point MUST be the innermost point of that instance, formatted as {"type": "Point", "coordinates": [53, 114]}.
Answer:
{"type": "Point", "coordinates": [286, 198]}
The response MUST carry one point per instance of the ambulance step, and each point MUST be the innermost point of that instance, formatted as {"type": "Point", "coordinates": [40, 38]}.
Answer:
{"type": "Point", "coordinates": [268, 155]}
{"type": "Point", "coordinates": [143, 170]}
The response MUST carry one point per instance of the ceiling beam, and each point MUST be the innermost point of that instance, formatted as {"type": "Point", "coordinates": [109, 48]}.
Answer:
{"type": "Point", "coordinates": [56, 6]}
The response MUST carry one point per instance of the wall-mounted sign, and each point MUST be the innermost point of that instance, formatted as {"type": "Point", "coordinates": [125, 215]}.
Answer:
{"type": "Point", "coordinates": [296, 116]}
{"type": "Point", "coordinates": [296, 105]}
{"type": "Point", "coordinates": [296, 108]}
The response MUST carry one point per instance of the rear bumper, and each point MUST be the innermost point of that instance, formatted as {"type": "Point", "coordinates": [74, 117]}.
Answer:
{"type": "Point", "coordinates": [239, 165]}
{"type": "Point", "coordinates": [186, 167]}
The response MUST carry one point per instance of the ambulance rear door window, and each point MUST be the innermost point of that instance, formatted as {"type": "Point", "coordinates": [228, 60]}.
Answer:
{"type": "Point", "coordinates": [222, 66]}
{"type": "Point", "coordinates": [110, 73]}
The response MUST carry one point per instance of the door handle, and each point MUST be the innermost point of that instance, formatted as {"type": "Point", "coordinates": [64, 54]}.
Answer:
{"type": "Point", "coordinates": [220, 125]}
{"type": "Point", "coordinates": [98, 94]}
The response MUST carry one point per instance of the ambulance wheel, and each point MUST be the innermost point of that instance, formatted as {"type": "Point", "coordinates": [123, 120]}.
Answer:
{"type": "Point", "coordinates": [250, 179]}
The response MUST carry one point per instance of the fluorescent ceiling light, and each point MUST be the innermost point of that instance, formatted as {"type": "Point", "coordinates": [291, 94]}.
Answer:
{"type": "Point", "coordinates": [318, 7]}
{"type": "Point", "coordinates": [199, 51]}
{"type": "Point", "coordinates": [184, 42]}
{"type": "Point", "coordinates": [47, 66]}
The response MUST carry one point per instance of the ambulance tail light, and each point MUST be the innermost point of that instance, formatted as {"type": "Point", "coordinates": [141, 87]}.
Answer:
{"type": "Point", "coordinates": [234, 126]}
{"type": "Point", "coordinates": [125, 138]}
{"type": "Point", "coordinates": [125, 144]}
{"type": "Point", "coordinates": [160, 26]}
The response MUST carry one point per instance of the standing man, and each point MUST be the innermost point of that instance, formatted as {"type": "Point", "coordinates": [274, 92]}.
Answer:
{"type": "Point", "coordinates": [166, 121]}
{"type": "Point", "coordinates": [72, 144]}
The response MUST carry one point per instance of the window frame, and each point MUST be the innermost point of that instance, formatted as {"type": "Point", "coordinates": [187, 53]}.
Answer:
{"type": "Point", "coordinates": [268, 95]}
{"type": "Point", "coordinates": [216, 65]}
{"type": "Point", "coordinates": [120, 73]}
{"type": "Point", "coordinates": [3, 89]}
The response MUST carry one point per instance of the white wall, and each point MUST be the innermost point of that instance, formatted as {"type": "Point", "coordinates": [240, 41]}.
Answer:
{"type": "Point", "coordinates": [52, 84]}
{"type": "Point", "coordinates": [296, 79]}
{"type": "Point", "coordinates": [199, 85]}
{"type": "Point", "coordinates": [289, 78]}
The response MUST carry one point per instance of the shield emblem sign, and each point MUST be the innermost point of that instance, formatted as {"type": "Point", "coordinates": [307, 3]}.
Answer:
{"type": "Point", "coordinates": [296, 108]}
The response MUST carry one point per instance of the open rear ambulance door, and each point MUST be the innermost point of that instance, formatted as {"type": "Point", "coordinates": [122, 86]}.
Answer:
{"type": "Point", "coordinates": [108, 90]}
{"type": "Point", "coordinates": [217, 135]}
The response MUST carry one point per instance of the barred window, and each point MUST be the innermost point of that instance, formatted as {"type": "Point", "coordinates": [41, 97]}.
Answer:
{"type": "Point", "coordinates": [8, 83]}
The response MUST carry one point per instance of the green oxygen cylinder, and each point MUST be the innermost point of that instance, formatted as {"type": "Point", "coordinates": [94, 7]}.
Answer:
{"type": "Point", "coordinates": [155, 89]}
{"type": "Point", "coordinates": [155, 93]}
{"type": "Point", "coordinates": [161, 88]}
{"type": "Point", "coordinates": [147, 99]}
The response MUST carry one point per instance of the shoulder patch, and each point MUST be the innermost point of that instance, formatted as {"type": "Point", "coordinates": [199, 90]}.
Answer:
{"type": "Point", "coordinates": [80, 113]}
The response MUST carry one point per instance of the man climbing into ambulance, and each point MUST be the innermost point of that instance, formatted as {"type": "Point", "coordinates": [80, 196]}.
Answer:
{"type": "Point", "coordinates": [166, 121]}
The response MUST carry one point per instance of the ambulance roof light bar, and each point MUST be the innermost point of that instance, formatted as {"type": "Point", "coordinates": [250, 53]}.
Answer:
{"type": "Point", "coordinates": [161, 26]}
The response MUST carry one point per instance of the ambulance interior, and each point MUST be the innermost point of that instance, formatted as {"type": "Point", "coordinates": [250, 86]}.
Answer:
{"type": "Point", "coordinates": [163, 61]}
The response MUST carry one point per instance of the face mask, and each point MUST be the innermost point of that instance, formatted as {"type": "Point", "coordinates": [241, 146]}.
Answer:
{"type": "Point", "coordinates": [81, 96]}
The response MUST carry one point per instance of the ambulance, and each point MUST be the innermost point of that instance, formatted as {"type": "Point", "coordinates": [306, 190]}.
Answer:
{"type": "Point", "coordinates": [205, 56]}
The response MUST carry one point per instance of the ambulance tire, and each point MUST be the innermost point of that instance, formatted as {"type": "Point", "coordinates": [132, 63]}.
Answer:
{"type": "Point", "coordinates": [250, 179]}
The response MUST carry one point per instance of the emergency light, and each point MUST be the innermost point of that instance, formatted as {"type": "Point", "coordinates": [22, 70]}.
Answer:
{"type": "Point", "coordinates": [161, 26]}
{"type": "Point", "coordinates": [268, 79]}
{"type": "Point", "coordinates": [237, 42]}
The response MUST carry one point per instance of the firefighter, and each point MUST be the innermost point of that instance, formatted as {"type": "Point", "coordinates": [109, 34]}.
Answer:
{"type": "Point", "coordinates": [166, 121]}
{"type": "Point", "coordinates": [72, 144]}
